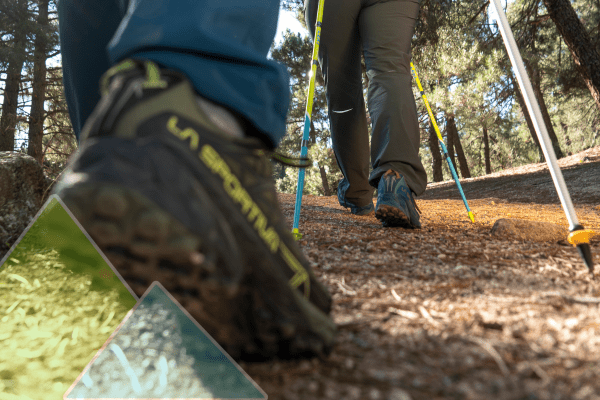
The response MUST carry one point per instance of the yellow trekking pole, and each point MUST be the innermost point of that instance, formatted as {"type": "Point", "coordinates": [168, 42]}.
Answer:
{"type": "Point", "coordinates": [444, 150]}
{"type": "Point", "coordinates": [307, 116]}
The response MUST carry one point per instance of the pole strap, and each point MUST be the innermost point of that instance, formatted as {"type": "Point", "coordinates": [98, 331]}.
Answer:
{"type": "Point", "coordinates": [296, 162]}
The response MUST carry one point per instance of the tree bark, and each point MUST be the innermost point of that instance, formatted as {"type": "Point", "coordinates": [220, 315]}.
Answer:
{"type": "Point", "coordinates": [435, 155]}
{"type": "Point", "coordinates": [450, 143]}
{"type": "Point", "coordinates": [530, 126]}
{"type": "Point", "coordinates": [536, 83]}
{"type": "Point", "coordinates": [464, 167]}
{"type": "Point", "coordinates": [8, 121]}
{"type": "Point", "coordinates": [585, 55]}
{"type": "Point", "coordinates": [326, 188]}
{"type": "Point", "coordinates": [565, 129]}
{"type": "Point", "coordinates": [37, 115]}
{"type": "Point", "coordinates": [486, 151]}
{"type": "Point", "coordinates": [312, 134]}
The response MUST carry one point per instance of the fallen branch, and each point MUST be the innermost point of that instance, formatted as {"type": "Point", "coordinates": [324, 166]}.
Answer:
{"type": "Point", "coordinates": [573, 299]}
{"type": "Point", "coordinates": [358, 322]}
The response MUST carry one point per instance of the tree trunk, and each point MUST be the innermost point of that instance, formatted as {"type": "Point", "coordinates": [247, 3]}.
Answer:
{"type": "Point", "coordinates": [8, 121]}
{"type": "Point", "coordinates": [585, 55]}
{"type": "Point", "coordinates": [326, 188]}
{"type": "Point", "coordinates": [464, 167]}
{"type": "Point", "coordinates": [521, 102]}
{"type": "Point", "coordinates": [15, 59]}
{"type": "Point", "coordinates": [450, 143]}
{"type": "Point", "coordinates": [534, 72]}
{"type": "Point", "coordinates": [486, 151]}
{"type": "Point", "coordinates": [312, 133]}
{"type": "Point", "coordinates": [565, 129]}
{"type": "Point", "coordinates": [37, 115]}
{"type": "Point", "coordinates": [435, 154]}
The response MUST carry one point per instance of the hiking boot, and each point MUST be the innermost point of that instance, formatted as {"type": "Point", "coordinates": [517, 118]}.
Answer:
{"type": "Point", "coordinates": [365, 210]}
{"type": "Point", "coordinates": [395, 203]}
{"type": "Point", "coordinates": [354, 209]}
{"type": "Point", "coordinates": [170, 196]}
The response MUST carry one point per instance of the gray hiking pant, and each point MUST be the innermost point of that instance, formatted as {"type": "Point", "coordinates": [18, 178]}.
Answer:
{"type": "Point", "coordinates": [383, 29]}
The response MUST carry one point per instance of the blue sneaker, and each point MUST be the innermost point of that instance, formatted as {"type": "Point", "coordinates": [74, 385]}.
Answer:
{"type": "Point", "coordinates": [354, 209]}
{"type": "Point", "coordinates": [395, 203]}
{"type": "Point", "coordinates": [365, 210]}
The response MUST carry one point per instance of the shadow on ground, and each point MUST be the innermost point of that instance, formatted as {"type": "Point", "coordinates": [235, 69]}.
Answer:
{"type": "Point", "coordinates": [582, 180]}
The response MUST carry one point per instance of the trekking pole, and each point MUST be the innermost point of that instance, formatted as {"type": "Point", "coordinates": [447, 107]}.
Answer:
{"type": "Point", "coordinates": [307, 115]}
{"type": "Point", "coordinates": [578, 236]}
{"type": "Point", "coordinates": [444, 150]}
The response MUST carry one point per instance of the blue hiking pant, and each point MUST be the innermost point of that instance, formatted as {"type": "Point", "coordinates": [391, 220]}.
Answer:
{"type": "Point", "coordinates": [220, 45]}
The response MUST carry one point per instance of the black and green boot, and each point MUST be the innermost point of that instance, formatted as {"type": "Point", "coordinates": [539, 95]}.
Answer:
{"type": "Point", "coordinates": [168, 196]}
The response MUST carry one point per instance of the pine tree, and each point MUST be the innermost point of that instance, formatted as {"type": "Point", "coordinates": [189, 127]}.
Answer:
{"type": "Point", "coordinates": [296, 53]}
{"type": "Point", "coordinates": [40, 55]}
{"type": "Point", "coordinates": [583, 51]}
{"type": "Point", "coordinates": [16, 15]}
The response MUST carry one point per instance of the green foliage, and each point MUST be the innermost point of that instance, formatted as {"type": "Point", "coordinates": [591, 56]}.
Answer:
{"type": "Point", "coordinates": [18, 19]}
{"type": "Point", "coordinates": [295, 52]}
{"type": "Point", "coordinates": [59, 141]}
{"type": "Point", "coordinates": [467, 74]}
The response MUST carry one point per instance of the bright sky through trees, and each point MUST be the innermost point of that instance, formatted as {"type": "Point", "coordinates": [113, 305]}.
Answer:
{"type": "Point", "coordinates": [288, 20]}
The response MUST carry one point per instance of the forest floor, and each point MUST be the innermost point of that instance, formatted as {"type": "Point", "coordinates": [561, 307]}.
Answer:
{"type": "Point", "coordinates": [448, 311]}
{"type": "Point", "coordinates": [451, 311]}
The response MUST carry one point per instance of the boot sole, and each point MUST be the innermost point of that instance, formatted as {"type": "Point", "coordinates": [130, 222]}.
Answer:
{"type": "Point", "coordinates": [393, 217]}
{"type": "Point", "coordinates": [146, 244]}
{"type": "Point", "coordinates": [168, 198]}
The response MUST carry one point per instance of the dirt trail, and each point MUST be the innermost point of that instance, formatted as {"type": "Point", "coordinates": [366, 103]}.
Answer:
{"type": "Point", "coordinates": [449, 311]}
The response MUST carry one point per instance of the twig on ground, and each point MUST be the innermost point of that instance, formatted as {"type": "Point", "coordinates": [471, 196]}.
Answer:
{"type": "Point", "coordinates": [427, 316]}
{"type": "Point", "coordinates": [345, 289]}
{"type": "Point", "coordinates": [135, 383]}
{"type": "Point", "coordinates": [573, 299]}
{"type": "Point", "coordinates": [19, 278]}
{"type": "Point", "coordinates": [164, 370]}
{"type": "Point", "coordinates": [492, 352]}
{"type": "Point", "coordinates": [540, 372]}
{"type": "Point", "coordinates": [404, 313]}
{"type": "Point", "coordinates": [355, 323]}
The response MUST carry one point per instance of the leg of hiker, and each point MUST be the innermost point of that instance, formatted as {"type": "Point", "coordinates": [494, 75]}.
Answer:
{"type": "Point", "coordinates": [85, 27]}
{"type": "Point", "coordinates": [339, 58]}
{"type": "Point", "coordinates": [386, 29]}
{"type": "Point", "coordinates": [224, 57]}
{"type": "Point", "coordinates": [171, 178]}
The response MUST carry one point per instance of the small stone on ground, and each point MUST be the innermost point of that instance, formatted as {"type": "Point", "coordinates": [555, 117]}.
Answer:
{"type": "Point", "coordinates": [520, 229]}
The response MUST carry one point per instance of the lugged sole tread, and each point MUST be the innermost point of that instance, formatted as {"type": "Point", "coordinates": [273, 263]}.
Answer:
{"type": "Point", "coordinates": [393, 217]}
{"type": "Point", "coordinates": [229, 309]}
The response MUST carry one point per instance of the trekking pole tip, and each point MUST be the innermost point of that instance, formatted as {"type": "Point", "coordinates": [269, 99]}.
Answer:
{"type": "Point", "coordinates": [586, 254]}
{"type": "Point", "coordinates": [580, 238]}
{"type": "Point", "coordinates": [471, 216]}
{"type": "Point", "coordinates": [297, 235]}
